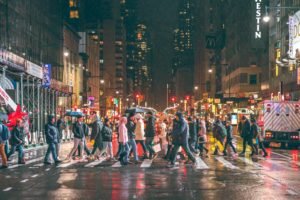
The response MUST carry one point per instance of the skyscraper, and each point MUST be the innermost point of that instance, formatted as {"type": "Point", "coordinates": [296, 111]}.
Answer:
{"type": "Point", "coordinates": [183, 62]}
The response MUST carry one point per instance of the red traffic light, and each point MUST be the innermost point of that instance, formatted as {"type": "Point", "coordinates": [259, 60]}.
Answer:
{"type": "Point", "coordinates": [137, 96]}
{"type": "Point", "coordinates": [173, 99]}
{"type": "Point", "coordinates": [187, 98]}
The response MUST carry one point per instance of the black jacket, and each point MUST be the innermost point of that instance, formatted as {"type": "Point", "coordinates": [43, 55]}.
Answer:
{"type": "Point", "coordinates": [246, 129]}
{"type": "Point", "coordinates": [51, 133]}
{"type": "Point", "coordinates": [130, 128]}
{"type": "Point", "coordinates": [106, 134]}
{"type": "Point", "coordinates": [180, 132]}
{"type": "Point", "coordinates": [78, 130]}
{"type": "Point", "coordinates": [17, 136]}
{"type": "Point", "coordinates": [150, 127]}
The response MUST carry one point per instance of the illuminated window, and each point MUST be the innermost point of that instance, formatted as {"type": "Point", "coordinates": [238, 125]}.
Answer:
{"type": "Point", "coordinates": [74, 14]}
{"type": "Point", "coordinates": [73, 3]}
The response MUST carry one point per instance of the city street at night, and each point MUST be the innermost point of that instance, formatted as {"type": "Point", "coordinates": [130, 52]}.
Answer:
{"type": "Point", "coordinates": [150, 99]}
{"type": "Point", "coordinates": [217, 177]}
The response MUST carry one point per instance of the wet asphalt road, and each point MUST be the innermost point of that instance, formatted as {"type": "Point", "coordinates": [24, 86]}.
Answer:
{"type": "Point", "coordinates": [217, 177]}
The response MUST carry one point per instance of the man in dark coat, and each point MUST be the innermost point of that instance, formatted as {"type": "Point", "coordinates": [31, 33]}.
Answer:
{"type": "Point", "coordinates": [96, 135]}
{"type": "Point", "coordinates": [180, 135]}
{"type": "Point", "coordinates": [149, 134]}
{"type": "Point", "coordinates": [246, 135]}
{"type": "Point", "coordinates": [52, 138]}
{"type": "Point", "coordinates": [17, 141]}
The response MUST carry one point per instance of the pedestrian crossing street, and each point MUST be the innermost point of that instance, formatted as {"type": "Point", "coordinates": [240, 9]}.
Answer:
{"type": "Point", "coordinates": [212, 163]}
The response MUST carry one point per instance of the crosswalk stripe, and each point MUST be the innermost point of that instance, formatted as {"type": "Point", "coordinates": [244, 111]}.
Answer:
{"type": "Point", "coordinates": [250, 162]}
{"type": "Point", "coordinates": [201, 164]}
{"type": "Point", "coordinates": [226, 163]}
{"type": "Point", "coordinates": [67, 164]}
{"type": "Point", "coordinates": [94, 163]}
{"type": "Point", "coordinates": [7, 189]}
{"type": "Point", "coordinates": [146, 163]}
{"type": "Point", "coordinates": [27, 163]}
{"type": "Point", "coordinates": [117, 164]}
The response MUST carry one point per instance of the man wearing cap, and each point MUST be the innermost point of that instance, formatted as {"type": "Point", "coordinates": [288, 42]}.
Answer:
{"type": "Point", "coordinates": [246, 135]}
{"type": "Point", "coordinates": [149, 134]}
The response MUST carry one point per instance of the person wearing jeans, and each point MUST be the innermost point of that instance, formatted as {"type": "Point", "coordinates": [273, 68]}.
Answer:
{"type": "Point", "coordinates": [17, 141]}
{"type": "Point", "coordinates": [229, 138]}
{"type": "Point", "coordinates": [123, 140]}
{"type": "Point", "coordinates": [78, 131]}
{"type": "Point", "coordinates": [131, 135]}
{"type": "Point", "coordinates": [52, 138]}
{"type": "Point", "coordinates": [140, 133]}
{"type": "Point", "coordinates": [4, 135]}
{"type": "Point", "coordinates": [149, 134]}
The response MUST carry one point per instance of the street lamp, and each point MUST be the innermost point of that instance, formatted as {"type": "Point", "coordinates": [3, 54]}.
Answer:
{"type": "Point", "coordinates": [196, 87]}
{"type": "Point", "coordinates": [66, 53]}
{"type": "Point", "coordinates": [101, 81]}
{"type": "Point", "coordinates": [210, 71]}
{"type": "Point", "coordinates": [267, 17]}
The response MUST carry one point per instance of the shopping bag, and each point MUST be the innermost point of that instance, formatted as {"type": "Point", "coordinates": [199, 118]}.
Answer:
{"type": "Point", "coordinates": [157, 148]}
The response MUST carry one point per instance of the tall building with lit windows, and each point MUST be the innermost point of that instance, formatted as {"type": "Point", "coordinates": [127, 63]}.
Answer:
{"type": "Point", "coordinates": [183, 61]}
{"type": "Point", "coordinates": [138, 53]}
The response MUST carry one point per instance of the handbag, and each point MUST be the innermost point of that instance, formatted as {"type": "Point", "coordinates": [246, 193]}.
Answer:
{"type": "Point", "coordinates": [157, 148]}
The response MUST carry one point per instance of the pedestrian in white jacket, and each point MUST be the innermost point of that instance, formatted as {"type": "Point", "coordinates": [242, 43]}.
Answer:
{"type": "Point", "coordinates": [140, 133]}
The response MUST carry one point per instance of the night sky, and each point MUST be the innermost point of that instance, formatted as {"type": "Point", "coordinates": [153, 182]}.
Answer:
{"type": "Point", "coordinates": [160, 16]}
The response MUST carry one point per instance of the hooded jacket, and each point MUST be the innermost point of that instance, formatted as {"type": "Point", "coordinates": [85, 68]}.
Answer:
{"type": "Point", "coordinates": [51, 133]}
{"type": "Point", "coordinates": [130, 128]}
{"type": "Point", "coordinates": [180, 131]}
{"type": "Point", "coordinates": [123, 134]}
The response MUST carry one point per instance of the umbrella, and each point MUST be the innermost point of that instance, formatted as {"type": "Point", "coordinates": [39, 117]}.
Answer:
{"type": "Point", "coordinates": [74, 114]}
{"type": "Point", "coordinates": [134, 110]}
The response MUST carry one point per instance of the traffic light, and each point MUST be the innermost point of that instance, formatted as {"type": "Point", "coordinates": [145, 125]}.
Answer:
{"type": "Point", "coordinates": [137, 96]}
{"type": "Point", "coordinates": [187, 98]}
{"type": "Point", "coordinates": [173, 99]}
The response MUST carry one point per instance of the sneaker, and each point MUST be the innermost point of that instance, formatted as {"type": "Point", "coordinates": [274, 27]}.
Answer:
{"type": "Point", "coordinates": [21, 162]}
{"type": "Point", "coordinates": [242, 154]}
{"type": "Point", "coordinates": [265, 155]}
{"type": "Point", "coordinates": [4, 167]}
{"type": "Point", "coordinates": [57, 162]}
{"type": "Point", "coordinates": [47, 163]}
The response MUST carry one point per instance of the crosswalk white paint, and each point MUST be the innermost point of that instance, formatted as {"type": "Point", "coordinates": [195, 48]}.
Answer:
{"type": "Point", "coordinates": [24, 181]}
{"type": "Point", "coordinates": [146, 163]}
{"type": "Point", "coordinates": [201, 164]}
{"type": "Point", "coordinates": [226, 163]}
{"type": "Point", "coordinates": [250, 162]}
{"type": "Point", "coordinates": [7, 189]}
{"type": "Point", "coordinates": [68, 164]}
{"type": "Point", "coordinates": [117, 164]}
{"type": "Point", "coordinates": [34, 176]}
{"type": "Point", "coordinates": [94, 163]}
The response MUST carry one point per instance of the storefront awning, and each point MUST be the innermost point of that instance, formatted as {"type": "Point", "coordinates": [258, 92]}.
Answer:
{"type": "Point", "coordinates": [5, 83]}
{"type": "Point", "coordinates": [5, 99]}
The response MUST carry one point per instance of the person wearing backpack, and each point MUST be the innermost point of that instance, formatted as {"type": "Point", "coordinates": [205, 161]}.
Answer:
{"type": "Point", "coordinates": [4, 136]}
{"type": "Point", "coordinates": [17, 141]}
{"type": "Point", "coordinates": [256, 132]}
{"type": "Point", "coordinates": [229, 138]}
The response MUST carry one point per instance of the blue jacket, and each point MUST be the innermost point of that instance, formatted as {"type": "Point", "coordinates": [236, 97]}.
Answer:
{"type": "Point", "coordinates": [180, 132]}
{"type": "Point", "coordinates": [4, 133]}
{"type": "Point", "coordinates": [51, 133]}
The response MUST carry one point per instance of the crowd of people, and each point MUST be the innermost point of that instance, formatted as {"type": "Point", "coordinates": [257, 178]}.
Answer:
{"type": "Point", "coordinates": [171, 135]}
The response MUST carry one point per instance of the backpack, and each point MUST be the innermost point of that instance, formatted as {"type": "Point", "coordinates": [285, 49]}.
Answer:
{"type": "Point", "coordinates": [4, 132]}
{"type": "Point", "coordinates": [221, 130]}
